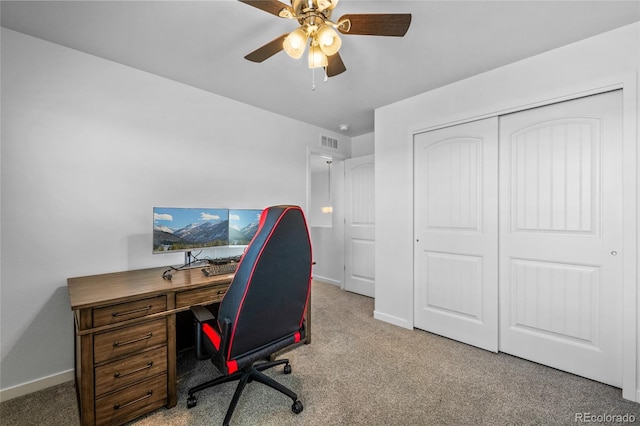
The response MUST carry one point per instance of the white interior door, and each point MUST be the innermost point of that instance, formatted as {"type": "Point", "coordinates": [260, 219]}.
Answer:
{"type": "Point", "coordinates": [560, 232]}
{"type": "Point", "coordinates": [360, 225]}
{"type": "Point", "coordinates": [456, 232]}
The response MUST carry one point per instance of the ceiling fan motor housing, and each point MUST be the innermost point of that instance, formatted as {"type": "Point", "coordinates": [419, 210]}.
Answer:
{"type": "Point", "coordinates": [310, 13]}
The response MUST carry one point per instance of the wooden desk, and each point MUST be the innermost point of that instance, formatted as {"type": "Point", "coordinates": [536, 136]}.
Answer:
{"type": "Point", "coordinates": [125, 338]}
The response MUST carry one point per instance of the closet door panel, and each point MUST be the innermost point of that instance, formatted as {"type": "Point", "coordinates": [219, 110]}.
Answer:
{"type": "Point", "coordinates": [456, 227]}
{"type": "Point", "coordinates": [560, 232]}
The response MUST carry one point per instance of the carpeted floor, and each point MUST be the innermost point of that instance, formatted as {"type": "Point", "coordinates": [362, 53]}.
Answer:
{"type": "Point", "coordinates": [360, 371]}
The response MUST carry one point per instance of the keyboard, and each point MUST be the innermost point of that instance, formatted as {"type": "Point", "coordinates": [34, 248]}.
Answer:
{"type": "Point", "coordinates": [220, 268]}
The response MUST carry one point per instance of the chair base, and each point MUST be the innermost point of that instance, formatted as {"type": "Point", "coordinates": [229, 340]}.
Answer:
{"type": "Point", "coordinates": [244, 376]}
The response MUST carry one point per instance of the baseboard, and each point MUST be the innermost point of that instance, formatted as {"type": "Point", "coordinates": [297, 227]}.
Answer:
{"type": "Point", "coordinates": [36, 385]}
{"type": "Point", "coordinates": [400, 322]}
{"type": "Point", "coordinates": [327, 280]}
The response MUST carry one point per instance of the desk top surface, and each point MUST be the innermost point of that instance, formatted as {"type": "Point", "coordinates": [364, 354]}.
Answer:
{"type": "Point", "coordinates": [96, 290]}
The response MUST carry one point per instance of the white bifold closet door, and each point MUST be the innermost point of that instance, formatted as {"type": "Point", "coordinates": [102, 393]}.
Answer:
{"type": "Point", "coordinates": [456, 232]}
{"type": "Point", "coordinates": [525, 227]}
{"type": "Point", "coordinates": [560, 234]}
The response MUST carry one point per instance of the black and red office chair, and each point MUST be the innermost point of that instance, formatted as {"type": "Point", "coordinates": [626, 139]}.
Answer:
{"type": "Point", "coordinates": [263, 309]}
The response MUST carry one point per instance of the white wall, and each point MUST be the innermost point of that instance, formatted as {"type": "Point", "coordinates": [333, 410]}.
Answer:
{"type": "Point", "coordinates": [363, 145]}
{"type": "Point", "coordinates": [578, 68]}
{"type": "Point", "coordinates": [88, 148]}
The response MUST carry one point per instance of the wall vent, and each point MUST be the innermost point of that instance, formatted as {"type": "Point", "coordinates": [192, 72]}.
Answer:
{"type": "Point", "coordinates": [328, 142]}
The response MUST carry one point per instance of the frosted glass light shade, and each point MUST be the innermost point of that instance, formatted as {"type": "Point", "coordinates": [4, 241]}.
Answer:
{"type": "Point", "coordinates": [317, 59]}
{"type": "Point", "coordinates": [328, 40]}
{"type": "Point", "coordinates": [295, 43]}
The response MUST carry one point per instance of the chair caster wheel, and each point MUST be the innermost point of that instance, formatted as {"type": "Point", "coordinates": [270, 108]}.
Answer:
{"type": "Point", "coordinates": [192, 401]}
{"type": "Point", "coordinates": [297, 407]}
{"type": "Point", "coordinates": [287, 369]}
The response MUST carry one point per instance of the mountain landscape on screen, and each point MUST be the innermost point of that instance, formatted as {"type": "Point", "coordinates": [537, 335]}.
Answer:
{"type": "Point", "coordinates": [193, 236]}
{"type": "Point", "coordinates": [184, 229]}
{"type": "Point", "coordinates": [242, 236]}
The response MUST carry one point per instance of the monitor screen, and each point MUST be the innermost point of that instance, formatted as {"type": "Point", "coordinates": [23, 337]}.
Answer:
{"type": "Point", "coordinates": [243, 225]}
{"type": "Point", "coordinates": [186, 229]}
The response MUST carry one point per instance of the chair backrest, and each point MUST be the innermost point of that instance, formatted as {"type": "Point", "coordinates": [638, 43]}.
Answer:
{"type": "Point", "coordinates": [267, 298]}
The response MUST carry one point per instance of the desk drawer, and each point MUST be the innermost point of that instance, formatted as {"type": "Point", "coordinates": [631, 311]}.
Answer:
{"type": "Point", "coordinates": [200, 296]}
{"type": "Point", "coordinates": [130, 310]}
{"type": "Point", "coordinates": [131, 402]}
{"type": "Point", "coordinates": [130, 370]}
{"type": "Point", "coordinates": [130, 339]}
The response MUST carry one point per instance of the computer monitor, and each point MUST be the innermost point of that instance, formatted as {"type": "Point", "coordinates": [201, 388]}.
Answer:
{"type": "Point", "coordinates": [187, 229]}
{"type": "Point", "coordinates": [243, 225]}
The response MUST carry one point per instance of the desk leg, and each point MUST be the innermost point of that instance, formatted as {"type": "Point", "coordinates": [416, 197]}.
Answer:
{"type": "Point", "coordinates": [172, 387]}
{"type": "Point", "coordinates": [85, 381]}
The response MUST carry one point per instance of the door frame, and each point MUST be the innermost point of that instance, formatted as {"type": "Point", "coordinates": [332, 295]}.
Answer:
{"type": "Point", "coordinates": [327, 268]}
{"type": "Point", "coordinates": [628, 82]}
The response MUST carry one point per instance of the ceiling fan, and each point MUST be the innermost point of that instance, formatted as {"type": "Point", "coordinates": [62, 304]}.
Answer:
{"type": "Point", "coordinates": [319, 31]}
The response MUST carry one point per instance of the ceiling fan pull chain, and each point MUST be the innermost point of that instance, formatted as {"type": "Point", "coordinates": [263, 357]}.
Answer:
{"type": "Point", "coordinates": [313, 79]}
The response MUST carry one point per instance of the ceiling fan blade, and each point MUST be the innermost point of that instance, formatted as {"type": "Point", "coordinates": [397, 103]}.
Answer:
{"type": "Point", "coordinates": [377, 24]}
{"type": "Point", "coordinates": [273, 7]}
{"type": "Point", "coordinates": [268, 50]}
{"type": "Point", "coordinates": [335, 65]}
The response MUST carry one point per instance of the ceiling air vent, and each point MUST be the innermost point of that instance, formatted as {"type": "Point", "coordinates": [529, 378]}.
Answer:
{"type": "Point", "coordinates": [328, 142]}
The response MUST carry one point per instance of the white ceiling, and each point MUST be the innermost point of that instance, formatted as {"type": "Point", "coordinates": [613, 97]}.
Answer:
{"type": "Point", "coordinates": [203, 43]}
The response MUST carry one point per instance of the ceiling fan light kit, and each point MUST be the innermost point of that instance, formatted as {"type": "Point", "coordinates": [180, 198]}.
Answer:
{"type": "Point", "coordinates": [315, 28]}
{"type": "Point", "coordinates": [323, 42]}
{"type": "Point", "coordinates": [319, 31]}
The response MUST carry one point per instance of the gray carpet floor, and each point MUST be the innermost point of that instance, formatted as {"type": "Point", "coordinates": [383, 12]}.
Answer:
{"type": "Point", "coordinates": [360, 371]}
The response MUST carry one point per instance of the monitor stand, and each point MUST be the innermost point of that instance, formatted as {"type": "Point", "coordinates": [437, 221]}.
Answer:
{"type": "Point", "coordinates": [191, 261]}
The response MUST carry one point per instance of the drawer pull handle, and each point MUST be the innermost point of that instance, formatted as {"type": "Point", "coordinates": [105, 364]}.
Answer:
{"type": "Point", "coordinates": [119, 407]}
{"type": "Point", "coordinates": [134, 311]}
{"type": "Point", "coordinates": [117, 375]}
{"type": "Point", "coordinates": [117, 344]}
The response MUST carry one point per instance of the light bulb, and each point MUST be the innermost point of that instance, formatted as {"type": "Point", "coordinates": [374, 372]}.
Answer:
{"type": "Point", "coordinates": [328, 40]}
{"type": "Point", "coordinates": [317, 59]}
{"type": "Point", "coordinates": [295, 43]}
